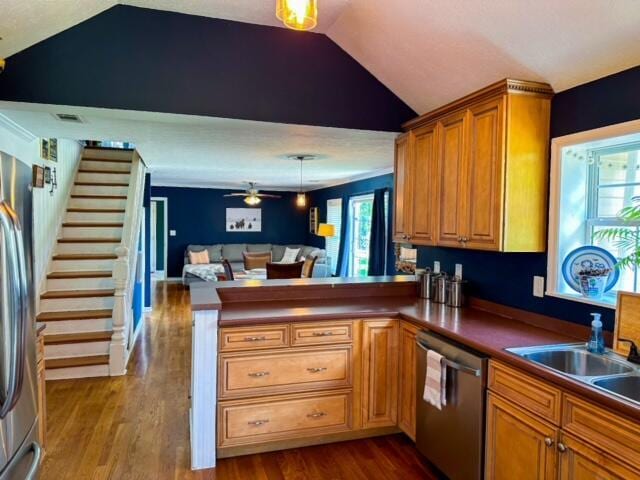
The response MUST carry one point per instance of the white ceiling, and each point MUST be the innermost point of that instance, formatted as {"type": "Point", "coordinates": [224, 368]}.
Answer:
{"type": "Point", "coordinates": [427, 52]}
{"type": "Point", "coordinates": [196, 151]}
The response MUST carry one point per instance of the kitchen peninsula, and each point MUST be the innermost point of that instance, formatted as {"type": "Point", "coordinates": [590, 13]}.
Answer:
{"type": "Point", "coordinates": [288, 363]}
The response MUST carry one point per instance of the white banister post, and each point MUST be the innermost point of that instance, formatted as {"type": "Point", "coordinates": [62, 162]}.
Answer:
{"type": "Point", "coordinates": [121, 307]}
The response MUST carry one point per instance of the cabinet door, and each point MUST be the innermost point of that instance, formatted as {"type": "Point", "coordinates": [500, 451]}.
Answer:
{"type": "Point", "coordinates": [424, 170]}
{"type": "Point", "coordinates": [402, 190]}
{"type": "Point", "coordinates": [379, 373]}
{"type": "Point", "coordinates": [518, 445]}
{"type": "Point", "coordinates": [484, 174]}
{"type": "Point", "coordinates": [578, 461]}
{"type": "Point", "coordinates": [451, 206]}
{"type": "Point", "coordinates": [407, 386]}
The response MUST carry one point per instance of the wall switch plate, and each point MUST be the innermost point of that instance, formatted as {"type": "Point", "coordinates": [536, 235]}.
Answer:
{"type": "Point", "coordinates": [172, 233]}
{"type": "Point", "coordinates": [436, 267]}
{"type": "Point", "coordinates": [538, 286]}
{"type": "Point", "coordinates": [458, 273]}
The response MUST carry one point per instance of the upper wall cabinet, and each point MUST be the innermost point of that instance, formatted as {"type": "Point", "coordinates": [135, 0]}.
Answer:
{"type": "Point", "coordinates": [474, 173]}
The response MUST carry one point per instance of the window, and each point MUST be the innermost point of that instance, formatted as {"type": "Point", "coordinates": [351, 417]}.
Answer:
{"type": "Point", "coordinates": [594, 176]}
{"type": "Point", "coordinates": [332, 244]}
{"type": "Point", "coordinates": [360, 216]}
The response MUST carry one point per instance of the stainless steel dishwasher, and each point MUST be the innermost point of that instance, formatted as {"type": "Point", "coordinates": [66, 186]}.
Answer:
{"type": "Point", "coordinates": [452, 438]}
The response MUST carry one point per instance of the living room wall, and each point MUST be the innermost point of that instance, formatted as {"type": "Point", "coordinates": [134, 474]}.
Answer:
{"type": "Point", "coordinates": [198, 216]}
{"type": "Point", "coordinates": [318, 198]}
{"type": "Point", "coordinates": [507, 278]}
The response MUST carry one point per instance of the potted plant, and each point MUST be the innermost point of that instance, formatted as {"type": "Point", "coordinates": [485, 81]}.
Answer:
{"type": "Point", "coordinates": [623, 237]}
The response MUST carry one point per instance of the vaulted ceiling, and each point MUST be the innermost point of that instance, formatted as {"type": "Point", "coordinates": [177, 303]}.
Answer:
{"type": "Point", "coordinates": [426, 52]}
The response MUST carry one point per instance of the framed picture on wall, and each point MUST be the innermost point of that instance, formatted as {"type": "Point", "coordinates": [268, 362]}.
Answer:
{"type": "Point", "coordinates": [38, 176]}
{"type": "Point", "coordinates": [53, 149]}
{"type": "Point", "coordinates": [313, 219]}
{"type": "Point", "coordinates": [44, 148]}
{"type": "Point", "coordinates": [244, 220]}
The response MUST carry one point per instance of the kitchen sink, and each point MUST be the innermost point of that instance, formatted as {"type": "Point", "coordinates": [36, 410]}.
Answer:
{"type": "Point", "coordinates": [578, 362]}
{"type": "Point", "coordinates": [607, 372]}
{"type": "Point", "coordinates": [628, 386]}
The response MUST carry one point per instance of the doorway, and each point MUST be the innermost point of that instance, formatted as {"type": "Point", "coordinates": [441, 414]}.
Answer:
{"type": "Point", "coordinates": [158, 240]}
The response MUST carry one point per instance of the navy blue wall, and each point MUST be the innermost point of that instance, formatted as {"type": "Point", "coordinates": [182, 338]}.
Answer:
{"type": "Point", "coordinates": [508, 278]}
{"type": "Point", "coordinates": [141, 59]}
{"type": "Point", "coordinates": [198, 215]}
{"type": "Point", "coordinates": [318, 198]}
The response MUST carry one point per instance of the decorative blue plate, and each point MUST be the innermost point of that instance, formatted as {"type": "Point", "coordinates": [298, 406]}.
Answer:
{"type": "Point", "coordinates": [589, 257]}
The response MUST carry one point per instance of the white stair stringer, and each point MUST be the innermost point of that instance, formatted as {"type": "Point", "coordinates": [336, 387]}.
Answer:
{"type": "Point", "coordinates": [79, 303]}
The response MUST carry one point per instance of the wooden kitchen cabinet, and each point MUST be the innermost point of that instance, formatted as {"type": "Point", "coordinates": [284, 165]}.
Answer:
{"type": "Point", "coordinates": [518, 444]}
{"type": "Point", "coordinates": [379, 373]}
{"type": "Point", "coordinates": [402, 190]}
{"type": "Point", "coordinates": [407, 386]}
{"type": "Point", "coordinates": [424, 170]}
{"type": "Point", "coordinates": [579, 461]}
{"type": "Point", "coordinates": [491, 180]}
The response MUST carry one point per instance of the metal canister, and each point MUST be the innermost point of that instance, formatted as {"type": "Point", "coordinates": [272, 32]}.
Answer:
{"type": "Point", "coordinates": [440, 288]}
{"type": "Point", "coordinates": [455, 292]}
{"type": "Point", "coordinates": [425, 284]}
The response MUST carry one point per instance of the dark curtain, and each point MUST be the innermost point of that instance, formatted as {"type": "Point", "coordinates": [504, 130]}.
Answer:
{"type": "Point", "coordinates": [378, 239]}
{"type": "Point", "coordinates": [345, 243]}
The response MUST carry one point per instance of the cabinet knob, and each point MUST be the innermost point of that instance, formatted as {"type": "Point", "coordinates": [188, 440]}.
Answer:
{"type": "Point", "coordinates": [257, 423]}
{"type": "Point", "coordinates": [465, 239]}
{"type": "Point", "coordinates": [548, 441]}
{"type": "Point", "coordinates": [562, 447]}
{"type": "Point", "coordinates": [258, 374]}
{"type": "Point", "coordinates": [460, 239]}
{"type": "Point", "coordinates": [317, 415]}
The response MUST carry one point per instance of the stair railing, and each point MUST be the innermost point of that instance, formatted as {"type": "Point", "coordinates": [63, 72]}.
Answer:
{"type": "Point", "coordinates": [124, 269]}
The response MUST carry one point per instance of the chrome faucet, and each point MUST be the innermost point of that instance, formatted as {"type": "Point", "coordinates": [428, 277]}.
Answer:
{"type": "Point", "coordinates": [633, 356]}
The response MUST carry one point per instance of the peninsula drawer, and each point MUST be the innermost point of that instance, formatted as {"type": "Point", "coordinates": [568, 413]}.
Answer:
{"type": "Point", "coordinates": [526, 391]}
{"type": "Point", "coordinates": [603, 429]}
{"type": "Point", "coordinates": [318, 333]}
{"type": "Point", "coordinates": [284, 371]}
{"type": "Point", "coordinates": [279, 418]}
{"type": "Point", "coordinates": [254, 337]}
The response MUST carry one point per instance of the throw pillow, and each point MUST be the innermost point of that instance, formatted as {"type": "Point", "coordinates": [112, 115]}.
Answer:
{"type": "Point", "coordinates": [290, 255]}
{"type": "Point", "coordinates": [199, 258]}
{"type": "Point", "coordinates": [256, 260]}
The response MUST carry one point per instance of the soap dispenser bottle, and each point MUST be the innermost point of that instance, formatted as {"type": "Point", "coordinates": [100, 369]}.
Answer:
{"type": "Point", "coordinates": [596, 342]}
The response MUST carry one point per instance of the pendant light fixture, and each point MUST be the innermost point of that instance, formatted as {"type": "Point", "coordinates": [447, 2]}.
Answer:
{"type": "Point", "coordinates": [298, 14]}
{"type": "Point", "coordinates": [301, 198]}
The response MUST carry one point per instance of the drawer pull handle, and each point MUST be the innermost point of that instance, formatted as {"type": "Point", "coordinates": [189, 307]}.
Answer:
{"type": "Point", "coordinates": [317, 369]}
{"type": "Point", "coordinates": [322, 334]}
{"type": "Point", "coordinates": [548, 441]}
{"type": "Point", "coordinates": [257, 423]}
{"type": "Point", "coordinates": [562, 447]}
{"type": "Point", "coordinates": [255, 339]}
{"type": "Point", "coordinates": [258, 374]}
{"type": "Point", "coordinates": [317, 415]}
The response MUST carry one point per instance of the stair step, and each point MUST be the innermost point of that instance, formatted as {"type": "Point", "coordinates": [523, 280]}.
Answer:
{"type": "Point", "coordinates": [96, 184]}
{"type": "Point", "coordinates": [74, 315]}
{"type": "Point", "coordinates": [89, 240]}
{"type": "Point", "coordinates": [88, 274]}
{"type": "Point", "coordinates": [85, 256]}
{"type": "Point", "coordinates": [96, 210]}
{"type": "Point", "coordinates": [78, 293]}
{"type": "Point", "coordinates": [119, 197]}
{"type": "Point", "coordinates": [85, 361]}
{"type": "Point", "coordinates": [93, 170]}
{"type": "Point", "coordinates": [92, 224]}
{"type": "Point", "coordinates": [78, 337]}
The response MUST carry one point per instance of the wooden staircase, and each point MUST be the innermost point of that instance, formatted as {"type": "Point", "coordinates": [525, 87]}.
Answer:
{"type": "Point", "coordinates": [78, 301]}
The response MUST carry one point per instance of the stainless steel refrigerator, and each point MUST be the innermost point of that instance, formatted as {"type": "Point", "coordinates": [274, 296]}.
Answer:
{"type": "Point", "coordinates": [19, 450]}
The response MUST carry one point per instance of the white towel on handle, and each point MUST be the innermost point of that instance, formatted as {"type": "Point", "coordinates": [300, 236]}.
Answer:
{"type": "Point", "coordinates": [435, 384]}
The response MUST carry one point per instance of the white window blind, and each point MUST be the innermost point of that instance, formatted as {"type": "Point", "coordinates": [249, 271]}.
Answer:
{"type": "Point", "coordinates": [334, 217]}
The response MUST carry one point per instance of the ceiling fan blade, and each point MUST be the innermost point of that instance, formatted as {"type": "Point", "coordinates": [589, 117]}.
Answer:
{"type": "Point", "coordinates": [267, 195]}
{"type": "Point", "coordinates": [244, 194]}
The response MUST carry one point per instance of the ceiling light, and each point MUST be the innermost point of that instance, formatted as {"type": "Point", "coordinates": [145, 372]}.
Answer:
{"type": "Point", "coordinates": [301, 198]}
{"type": "Point", "coordinates": [252, 200]}
{"type": "Point", "coordinates": [298, 14]}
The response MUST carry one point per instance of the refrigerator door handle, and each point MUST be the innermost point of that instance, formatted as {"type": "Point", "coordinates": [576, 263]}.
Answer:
{"type": "Point", "coordinates": [15, 335]}
{"type": "Point", "coordinates": [32, 473]}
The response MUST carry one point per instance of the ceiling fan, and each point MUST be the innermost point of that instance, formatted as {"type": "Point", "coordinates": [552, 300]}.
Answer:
{"type": "Point", "coordinates": [251, 195]}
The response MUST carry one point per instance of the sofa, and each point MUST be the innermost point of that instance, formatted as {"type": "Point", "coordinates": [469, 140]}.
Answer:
{"type": "Point", "coordinates": [233, 253]}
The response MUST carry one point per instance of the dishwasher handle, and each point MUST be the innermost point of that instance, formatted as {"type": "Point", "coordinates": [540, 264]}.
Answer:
{"type": "Point", "coordinates": [455, 365]}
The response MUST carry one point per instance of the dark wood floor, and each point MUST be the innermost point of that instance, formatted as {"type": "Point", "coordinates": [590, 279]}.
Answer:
{"type": "Point", "coordinates": [136, 426]}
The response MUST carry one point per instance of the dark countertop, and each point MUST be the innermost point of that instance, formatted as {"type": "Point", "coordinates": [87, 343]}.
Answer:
{"type": "Point", "coordinates": [481, 330]}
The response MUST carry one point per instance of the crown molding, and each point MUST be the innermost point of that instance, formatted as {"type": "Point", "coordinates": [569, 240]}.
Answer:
{"type": "Point", "coordinates": [354, 178]}
{"type": "Point", "coordinates": [16, 129]}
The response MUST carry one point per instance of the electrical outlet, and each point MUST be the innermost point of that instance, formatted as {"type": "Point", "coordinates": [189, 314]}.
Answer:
{"type": "Point", "coordinates": [172, 233]}
{"type": "Point", "coordinates": [538, 286]}
{"type": "Point", "coordinates": [458, 273]}
{"type": "Point", "coordinates": [436, 267]}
